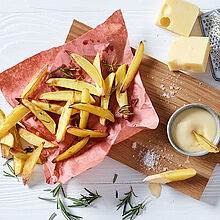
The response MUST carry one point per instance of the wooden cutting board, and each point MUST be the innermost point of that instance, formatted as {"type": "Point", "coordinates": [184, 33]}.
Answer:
{"type": "Point", "coordinates": [149, 151]}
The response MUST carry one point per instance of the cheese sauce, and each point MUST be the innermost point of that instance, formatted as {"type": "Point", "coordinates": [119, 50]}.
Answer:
{"type": "Point", "coordinates": [196, 119]}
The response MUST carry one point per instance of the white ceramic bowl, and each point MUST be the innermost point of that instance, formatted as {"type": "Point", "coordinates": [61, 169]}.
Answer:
{"type": "Point", "coordinates": [194, 105]}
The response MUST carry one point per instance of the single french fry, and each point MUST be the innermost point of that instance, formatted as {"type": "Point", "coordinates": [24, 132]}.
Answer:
{"type": "Point", "coordinates": [79, 132]}
{"type": "Point", "coordinates": [73, 84]}
{"type": "Point", "coordinates": [22, 155]}
{"type": "Point", "coordinates": [5, 151]}
{"type": "Point", "coordinates": [33, 138]}
{"type": "Point", "coordinates": [64, 120]}
{"type": "Point", "coordinates": [7, 140]}
{"type": "Point", "coordinates": [105, 99]}
{"type": "Point", "coordinates": [205, 143]}
{"type": "Point", "coordinates": [14, 116]}
{"type": "Point", "coordinates": [84, 116]}
{"type": "Point", "coordinates": [45, 119]}
{"type": "Point", "coordinates": [96, 110]}
{"type": "Point", "coordinates": [18, 165]}
{"type": "Point", "coordinates": [34, 82]}
{"type": "Point", "coordinates": [72, 150]}
{"type": "Point", "coordinates": [57, 109]}
{"type": "Point", "coordinates": [133, 68]}
{"type": "Point", "coordinates": [96, 63]}
{"type": "Point", "coordinates": [64, 95]}
{"type": "Point", "coordinates": [121, 97]}
{"type": "Point", "coordinates": [90, 69]}
{"type": "Point", "coordinates": [170, 176]}
{"type": "Point", "coordinates": [17, 140]}
{"type": "Point", "coordinates": [30, 163]}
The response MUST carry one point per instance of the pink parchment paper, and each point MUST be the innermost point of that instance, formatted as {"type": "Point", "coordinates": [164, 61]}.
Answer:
{"type": "Point", "coordinates": [111, 40]}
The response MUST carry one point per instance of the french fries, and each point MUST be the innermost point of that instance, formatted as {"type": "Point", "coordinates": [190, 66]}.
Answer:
{"type": "Point", "coordinates": [64, 120]}
{"type": "Point", "coordinates": [90, 69]}
{"type": "Point", "coordinates": [33, 139]}
{"type": "Point", "coordinates": [14, 116]}
{"type": "Point", "coordinates": [105, 99]}
{"type": "Point", "coordinates": [57, 109]}
{"type": "Point", "coordinates": [34, 82]}
{"type": "Point", "coordinates": [73, 84]}
{"type": "Point", "coordinates": [133, 68]}
{"type": "Point", "coordinates": [45, 119]}
{"type": "Point", "coordinates": [79, 132]}
{"type": "Point", "coordinates": [30, 163]}
{"type": "Point", "coordinates": [64, 95]}
{"type": "Point", "coordinates": [72, 150]}
{"type": "Point", "coordinates": [96, 110]}
{"type": "Point", "coordinates": [84, 116]}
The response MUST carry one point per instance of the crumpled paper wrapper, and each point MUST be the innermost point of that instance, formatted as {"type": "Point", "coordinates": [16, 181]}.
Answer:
{"type": "Point", "coordinates": [111, 40]}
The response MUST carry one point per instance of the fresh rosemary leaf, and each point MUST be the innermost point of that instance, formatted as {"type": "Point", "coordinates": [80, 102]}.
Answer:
{"type": "Point", "coordinates": [52, 216]}
{"type": "Point", "coordinates": [47, 199]}
{"type": "Point", "coordinates": [84, 200]}
{"type": "Point", "coordinates": [124, 110]}
{"type": "Point", "coordinates": [47, 190]}
{"type": "Point", "coordinates": [126, 201]}
{"type": "Point", "coordinates": [56, 190]}
{"type": "Point", "coordinates": [8, 174]}
{"type": "Point", "coordinates": [115, 177]}
{"type": "Point", "coordinates": [114, 88]}
{"type": "Point", "coordinates": [110, 66]}
{"type": "Point", "coordinates": [116, 194]}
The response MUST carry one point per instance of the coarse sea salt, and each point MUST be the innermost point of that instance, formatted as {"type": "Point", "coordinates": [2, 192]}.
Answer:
{"type": "Point", "coordinates": [150, 159]}
{"type": "Point", "coordinates": [134, 145]}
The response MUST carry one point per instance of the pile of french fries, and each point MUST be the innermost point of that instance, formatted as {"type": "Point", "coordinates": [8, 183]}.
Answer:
{"type": "Point", "coordinates": [78, 100]}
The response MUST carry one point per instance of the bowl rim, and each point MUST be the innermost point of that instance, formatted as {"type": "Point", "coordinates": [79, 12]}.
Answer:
{"type": "Point", "coordinates": [183, 108]}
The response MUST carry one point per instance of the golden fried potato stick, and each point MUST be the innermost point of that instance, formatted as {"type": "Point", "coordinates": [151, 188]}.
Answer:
{"type": "Point", "coordinates": [79, 132]}
{"type": "Point", "coordinates": [64, 96]}
{"type": "Point", "coordinates": [96, 110]}
{"type": "Point", "coordinates": [105, 99]}
{"type": "Point", "coordinates": [133, 68]}
{"type": "Point", "coordinates": [84, 116]}
{"type": "Point", "coordinates": [33, 139]}
{"type": "Point", "coordinates": [64, 120]}
{"type": "Point", "coordinates": [45, 119]}
{"type": "Point", "coordinates": [72, 150]}
{"type": "Point", "coordinates": [30, 163]}
{"type": "Point", "coordinates": [73, 84]}
{"type": "Point", "coordinates": [34, 82]}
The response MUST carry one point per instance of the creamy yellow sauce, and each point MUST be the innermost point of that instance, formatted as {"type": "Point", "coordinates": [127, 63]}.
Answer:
{"type": "Point", "coordinates": [196, 119]}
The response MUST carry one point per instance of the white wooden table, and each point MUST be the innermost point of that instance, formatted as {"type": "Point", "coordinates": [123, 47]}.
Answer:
{"type": "Point", "coordinates": [28, 27]}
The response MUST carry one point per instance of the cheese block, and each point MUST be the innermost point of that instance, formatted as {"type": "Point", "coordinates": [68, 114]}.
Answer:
{"type": "Point", "coordinates": [189, 54]}
{"type": "Point", "coordinates": [178, 16]}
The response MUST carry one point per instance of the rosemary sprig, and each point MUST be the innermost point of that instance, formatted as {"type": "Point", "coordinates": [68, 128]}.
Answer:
{"type": "Point", "coordinates": [66, 71]}
{"type": "Point", "coordinates": [110, 66]}
{"type": "Point", "coordinates": [12, 174]}
{"type": "Point", "coordinates": [126, 201]}
{"type": "Point", "coordinates": [134, 211]}
{"type": "Point", "coordinates": [56, 193]}
{"type": "Point", "coordinates": [116, 194]}
{"type": "Point", "coordinates": [115, 178]}
{"type": "Point", "coordinates": [53, 215]}
{"type": "Point", "coordinates": [84, 201]}
{"type": "Point", "coordinates": [124, 110]}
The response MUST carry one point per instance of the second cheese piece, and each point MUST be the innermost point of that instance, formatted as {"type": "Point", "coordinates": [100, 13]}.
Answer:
{"type": "Point", "coordinates": [189, 54]}
{"type": "Point", "coordinates": [178, 16]}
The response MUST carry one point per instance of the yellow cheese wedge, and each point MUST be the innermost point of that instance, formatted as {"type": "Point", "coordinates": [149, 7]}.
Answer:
{"type": "Point", "coordinates": [189, 54]}
{"type": "Point", "coordinates": [178, 16]}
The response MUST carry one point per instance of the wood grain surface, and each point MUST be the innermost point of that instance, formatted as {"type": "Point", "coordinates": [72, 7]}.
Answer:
{"type": "Point", "coordinates": [168, 91]}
